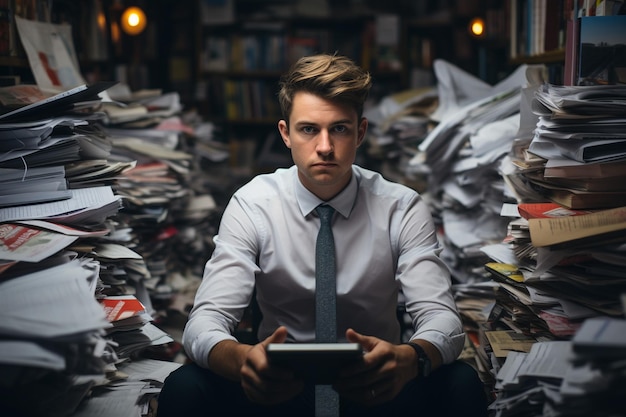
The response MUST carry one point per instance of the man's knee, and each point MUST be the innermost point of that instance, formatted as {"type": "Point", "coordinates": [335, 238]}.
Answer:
{"type": "Point", "coordinates": [184, 379]}
{"type": "Point", "coordinates": [185, 388]}
{"type": "Point", "coordinates": [465, 387]}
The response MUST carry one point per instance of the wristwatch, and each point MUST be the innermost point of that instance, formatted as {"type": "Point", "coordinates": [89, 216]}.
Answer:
{"type": "Point", "coordinates": [423, 361]}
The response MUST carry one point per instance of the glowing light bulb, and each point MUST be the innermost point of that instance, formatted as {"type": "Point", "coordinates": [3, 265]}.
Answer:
{"type": "Point", "coordinates": [477, 27]}
{"type": "Point", "coordinates": [133, 21]}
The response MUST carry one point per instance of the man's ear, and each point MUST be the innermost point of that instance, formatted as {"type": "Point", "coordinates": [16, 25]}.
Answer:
{"type": "Point", "coordinates": [362, 130]}
{"type": "Point", "coordinates": [284, 132]}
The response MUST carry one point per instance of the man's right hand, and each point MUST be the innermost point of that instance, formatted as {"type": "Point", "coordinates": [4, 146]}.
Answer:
{"type": "Point", "coordinates": [264, 383]}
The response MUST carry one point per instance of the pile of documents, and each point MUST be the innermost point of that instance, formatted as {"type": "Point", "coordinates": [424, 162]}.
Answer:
{"type": "Point", "coordinates": [581, 135]}
{"type": "Point", "coordinates": [396, 127]}
{"type": "Point", "coordinates": [76, 294]}
{"type": "Point", "coordinates": [560, 268]}
{"type": "Point", "coordinates": [476, 126]}
{"type": "Point", "coordinates": [53, 332]}
{"type": "Point", "coordinates": [581, 377]}
{"type": "Point", "coordinates": [132, 390]}
{"type": "Point", "coordinates": [529, 271]}
{"type": "Point", "coordinates": [170, 215]}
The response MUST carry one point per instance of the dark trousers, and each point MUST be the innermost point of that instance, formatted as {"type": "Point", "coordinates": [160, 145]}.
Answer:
{"type": "Point", "coordinates": [452, 390]}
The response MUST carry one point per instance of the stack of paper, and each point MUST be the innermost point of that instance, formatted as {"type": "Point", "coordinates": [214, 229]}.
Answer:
{"type": "Point", "coordinates": [132, 391]}
{"type": "Point", "coordinates": [79, 201]}
{"type": "Point", "coordinates": [53, 328]}
{"type": "Point", "coordinates": [37, 185]}
{"type": "Point", "coordinates": [527, 381]}
{"type": "Point", "coordinates": [52, 324]}
{"type": "Point", "coordinates": [477, 125]}
{"type": "Point", "coordinates": [397, 125]}
{"type": "Point", "coordinates": [154, 190]}
{"type": "Point", "coordinates": [584, 376]}
{"type": "Point", "coordinates": [63, 256]}
{"type": "Point", "coordinates": [580, 134]}
{"type": "Point", "coordinates": [131, 326]}
{"type": "Point", "coordinates": [548, 267]}
{"type": "Point", "coordinates": [560, 268]}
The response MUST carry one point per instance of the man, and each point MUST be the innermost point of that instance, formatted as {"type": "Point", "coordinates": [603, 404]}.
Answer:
{"type": "Point", "coordinates": [385, 242]}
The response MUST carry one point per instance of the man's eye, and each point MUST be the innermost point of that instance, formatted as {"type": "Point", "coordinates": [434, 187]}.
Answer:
{"type": "Point", "coordinates": [308, 130]}
{"type": "Point", "coordinates": [340, 129]}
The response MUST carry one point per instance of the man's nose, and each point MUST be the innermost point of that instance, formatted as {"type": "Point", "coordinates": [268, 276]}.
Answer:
{"type": "Point", "coordinates": [324, 143]}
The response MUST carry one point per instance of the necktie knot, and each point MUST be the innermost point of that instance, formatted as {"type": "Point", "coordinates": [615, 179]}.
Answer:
{"type": "Point", "coordinates": [325, 212]}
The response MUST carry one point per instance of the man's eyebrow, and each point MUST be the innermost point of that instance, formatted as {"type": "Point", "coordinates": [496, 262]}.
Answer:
{"type": "Point", "coordinates": [304, 122]}
{"type": "Point", "coordinates": [343, 122]}
{"type": "Point", "coordinates": [336, 122]}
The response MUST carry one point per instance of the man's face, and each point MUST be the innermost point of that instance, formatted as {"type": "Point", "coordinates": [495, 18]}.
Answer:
{"type": "Point", "coordinates": [323, 137]}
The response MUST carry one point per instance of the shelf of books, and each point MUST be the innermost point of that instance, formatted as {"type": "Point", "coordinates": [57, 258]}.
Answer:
{"type": "Point", "coordinates": [548, 32]}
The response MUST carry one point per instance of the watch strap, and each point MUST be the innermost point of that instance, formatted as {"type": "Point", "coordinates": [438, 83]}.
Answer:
{"type": "Point", "coordinates": [423, 361]}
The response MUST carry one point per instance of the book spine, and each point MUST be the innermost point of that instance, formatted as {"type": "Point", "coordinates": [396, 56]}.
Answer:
{"type": "Point", "coordinates": [513, 28]}
{"type": "Point", "coordinates": [571, 52]}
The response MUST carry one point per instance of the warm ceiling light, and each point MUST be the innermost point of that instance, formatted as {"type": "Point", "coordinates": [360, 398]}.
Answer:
{"type": "Point", "coordinates": [133, 21]}
{"type": "Point", "coordinates": [477, 27]}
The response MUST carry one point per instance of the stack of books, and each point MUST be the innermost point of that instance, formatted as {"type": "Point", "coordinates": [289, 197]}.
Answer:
{"type": "Point", "coordinates": [560, 269]}
{"type": "Point", "coordinates": [580, 135]}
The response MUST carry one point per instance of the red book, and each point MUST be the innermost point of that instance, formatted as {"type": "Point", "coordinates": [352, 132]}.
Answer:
{"type": "Point", "coordinates": [546, 210]}
{"type": "Point", "coordinates": [121, 307]}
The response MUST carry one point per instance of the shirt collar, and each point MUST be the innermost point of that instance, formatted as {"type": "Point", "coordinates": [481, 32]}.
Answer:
{"type": "Point", "coordinates": [342, 202]}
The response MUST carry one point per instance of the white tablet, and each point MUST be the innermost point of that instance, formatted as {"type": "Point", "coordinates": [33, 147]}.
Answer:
{"type": "Point", "coordinates": [316, 362]}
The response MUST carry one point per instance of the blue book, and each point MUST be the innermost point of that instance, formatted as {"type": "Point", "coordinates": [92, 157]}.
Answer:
{"type": "Point", "coordinates": [602, 50]}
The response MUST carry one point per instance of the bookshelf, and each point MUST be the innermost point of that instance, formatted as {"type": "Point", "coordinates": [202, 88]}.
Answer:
{"type": "Point", "coordinates": [442, 31]}
{"type": "Point", "coordinates": [241, 57]}
{"type": "Point", "coordinates": [538, 34]}
{"type": "Point", "coordinates": [103, 50]}
{"type": "Point", "coordinates": [548, 32]}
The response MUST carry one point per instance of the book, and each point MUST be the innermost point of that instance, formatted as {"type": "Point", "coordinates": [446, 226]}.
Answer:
{"type": "Point", "coordinates": [513, 19]}
{"type": "Point", "coordinates": [505, 272]}
{"type": "Point", "coordinates": [553, 25]}
{"type": "Point", "coordinates": [581, 200]}
{"type": "Point", "coordinates": [602, 54]}
{"type": "Point", "coordinates": [504, 341]}
{"type": "Point", "coordinates": [608, 7]}
{"type": "Point", "coordinates": [617, 183]}
{"type": "Point", "coordinates": [121, 307]}
{"type": "Point", "coordinates": [319, 362]}
{"type": "Point", "coordinates": [582, 194]}
{"type": "Point", "coordinates": [570, 70]}
{"type": "Point", "coordinates": [546, 210]}
{"type": "Point", "coordinates": [215, 56]}
{"type": "Point", "coordinates": [567, 168]}
{"type": "Point", "coordinates": [6, 22]}
{"type": "Point", "coordinates": [556, 230]}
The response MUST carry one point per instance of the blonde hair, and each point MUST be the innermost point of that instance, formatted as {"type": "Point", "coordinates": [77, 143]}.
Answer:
{"type": "Point", "coordinates": [331, 77]}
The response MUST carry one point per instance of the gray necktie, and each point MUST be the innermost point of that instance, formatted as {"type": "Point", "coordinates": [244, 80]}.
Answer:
{"type": "Point", "coordinates": [326, 400]}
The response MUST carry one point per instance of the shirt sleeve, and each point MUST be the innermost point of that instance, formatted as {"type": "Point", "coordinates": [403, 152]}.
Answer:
{"type": "Point", "coordinates": [227, 285]}
{"type": "Point", "coordinates": [426, 283]}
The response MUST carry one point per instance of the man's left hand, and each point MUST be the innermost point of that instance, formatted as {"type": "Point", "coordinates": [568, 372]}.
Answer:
{"type": "Point", "coordinates": [382, 374]}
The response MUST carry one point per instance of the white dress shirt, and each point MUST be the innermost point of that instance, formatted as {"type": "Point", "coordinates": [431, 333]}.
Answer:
{"type": "Point", "coordinates": [385, 242]}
